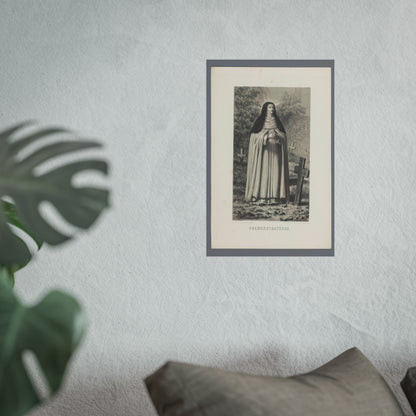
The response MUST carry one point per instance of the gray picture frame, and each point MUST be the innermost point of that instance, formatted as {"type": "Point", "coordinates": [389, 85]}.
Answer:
{"type": "Point", "coordinates": [255, 251]}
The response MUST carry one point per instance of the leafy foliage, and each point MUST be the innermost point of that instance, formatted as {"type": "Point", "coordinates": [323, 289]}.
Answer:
{"type": "Point", "coordinates": [247, 107]}
{"type": "Point", "coordinates": [52, 330]}
{"type": "Point", "coordinates": [290, 107]}
{"type": "Point", "coordinates": [19, 181]}
{"type": "Point", "coordinates": [296, 122]}
{"type": "Point", "coordinates": [298, 128]}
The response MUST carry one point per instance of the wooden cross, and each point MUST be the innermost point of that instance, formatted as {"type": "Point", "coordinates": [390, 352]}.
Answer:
{"type": "Point", "coordinates": [241, 155]}
{"type": "Point", "coordinates": [302, 173]}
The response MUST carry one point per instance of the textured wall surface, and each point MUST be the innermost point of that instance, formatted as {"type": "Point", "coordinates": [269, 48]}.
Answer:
{"type": "Point", "coordinates": [132, 73]}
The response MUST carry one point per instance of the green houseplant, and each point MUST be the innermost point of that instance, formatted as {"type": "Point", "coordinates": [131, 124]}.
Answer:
{"type": "Point", "coordinates": [53, 328]}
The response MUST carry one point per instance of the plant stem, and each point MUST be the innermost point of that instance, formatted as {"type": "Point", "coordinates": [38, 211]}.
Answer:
{"type": "Point", "coordinates": [7, 275]}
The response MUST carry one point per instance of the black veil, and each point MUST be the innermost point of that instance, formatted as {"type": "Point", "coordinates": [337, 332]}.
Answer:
{"type": "Point", "coordinates": [258, 125]}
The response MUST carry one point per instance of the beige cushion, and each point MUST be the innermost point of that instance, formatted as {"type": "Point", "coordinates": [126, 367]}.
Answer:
{"type": "Point", "coordinates": [349, 385]}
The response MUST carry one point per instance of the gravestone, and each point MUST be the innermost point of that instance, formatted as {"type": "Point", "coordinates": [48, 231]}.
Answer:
{"type": "Point", "coordinates": [241, 156]}
{"type": "Point", "coordinates": [302, 173]}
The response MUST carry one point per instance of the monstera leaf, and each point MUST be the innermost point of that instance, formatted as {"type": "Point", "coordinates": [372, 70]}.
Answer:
{"type": "Point", "coordinates": [12, 218]}
{"type": "Point", "coordinates": [20, 182]}
{"type": "Point", "coordinates": [52, 329]}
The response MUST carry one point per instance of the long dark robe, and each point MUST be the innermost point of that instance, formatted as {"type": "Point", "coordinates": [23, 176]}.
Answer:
{"type": "Point", "coordinates": [267, 168]}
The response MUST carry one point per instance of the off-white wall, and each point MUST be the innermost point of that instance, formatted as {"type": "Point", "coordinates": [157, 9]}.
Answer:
{"type": "Point", "coordinates": [132, 73]}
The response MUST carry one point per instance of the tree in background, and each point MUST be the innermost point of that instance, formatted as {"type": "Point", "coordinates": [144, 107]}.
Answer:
{"type": "Point", "coordinates": [290, 107]}
{"type": "Point", "coordinates": [247, 106]}
{"type": "Point", "coordinates": [296, 122]}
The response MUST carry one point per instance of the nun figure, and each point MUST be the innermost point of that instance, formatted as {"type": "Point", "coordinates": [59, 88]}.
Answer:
{"type": "Point", "coordinates": [267, 166]}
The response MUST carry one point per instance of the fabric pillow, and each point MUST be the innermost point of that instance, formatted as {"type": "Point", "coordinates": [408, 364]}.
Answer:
{"type": "Point", "coordinates": [349, 385]}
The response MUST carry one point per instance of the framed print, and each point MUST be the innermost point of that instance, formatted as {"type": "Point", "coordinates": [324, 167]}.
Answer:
{"type": "Point", "coordinates": [270, 158]}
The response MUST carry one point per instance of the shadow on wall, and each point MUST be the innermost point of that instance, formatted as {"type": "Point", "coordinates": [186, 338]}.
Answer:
{"type": "Point", "coordinates": [110, 396]}
{"type": "Point", "coordinates": [104, 398]}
